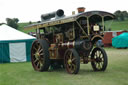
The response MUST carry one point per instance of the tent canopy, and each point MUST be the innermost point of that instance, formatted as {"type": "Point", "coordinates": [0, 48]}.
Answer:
{"type": "Point", "coordinates": [120, 41]}
{"type": "Point", "coordinates": [8, 33]}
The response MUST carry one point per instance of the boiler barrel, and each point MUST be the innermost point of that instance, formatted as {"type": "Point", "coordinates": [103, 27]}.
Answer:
{"type": "Point", "coordinates": [79, 45]}
{"type": "Point", "coordinates": [48, 16]}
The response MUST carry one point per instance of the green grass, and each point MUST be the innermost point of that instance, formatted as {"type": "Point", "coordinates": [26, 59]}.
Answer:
{"type": "Point", "coordinates": [21, 27]}
{"type": "Point", "coordinates": [23, 73]}
{"type": "Point", "coordinates": [117, 25]}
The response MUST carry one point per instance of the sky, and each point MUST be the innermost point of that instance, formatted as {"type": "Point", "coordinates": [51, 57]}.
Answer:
{"type": "Point", "coordinates": [31, 10]}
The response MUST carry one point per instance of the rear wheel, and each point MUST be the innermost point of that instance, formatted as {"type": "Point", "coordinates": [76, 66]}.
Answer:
{"type": "Point", "coordinates": [99, 59]}
{"type": "Point", "coordinates": [40, 55]}
{"type": "Point", "coordinates": [72, 61]}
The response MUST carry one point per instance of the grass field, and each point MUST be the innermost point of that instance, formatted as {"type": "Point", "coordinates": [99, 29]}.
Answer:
{"type": "Point", "coordinates": [21, 27]}
{"type": "Point", "coordinates": [117, 25]}
{"type": "Point", "coordinates": [23, 73]}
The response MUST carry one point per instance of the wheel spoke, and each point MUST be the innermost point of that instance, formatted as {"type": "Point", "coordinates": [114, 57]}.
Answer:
{"type": "Point", "coordinates": [42, 54]}
{"type": "Point", "coordinates": [74, 66]}
{"type": "Point", "coordinates": [40, 50]}
{"type": "Point", "coordinates": [68, 66]}
{"type": "Point", "coordinates": [102, 59]}
{"type": "Point", "coordinates": [73, 59]}
{"type": "Point", "coordinates": [96, 64]}
{"type": "Point", "coordinates": [39, 47]}
{"type": "Point", "coordinates": [67, 57]}
{"type": "Point", "coordinates": [95, 55]}
{"type": "Point", "coordinates": [99, 66]}
{"type": "Point", "coordinates": [35, 48]}
{"type": "Point", "coordinates": [41, 64]}
{"type": "Point", "coordinates": [71, 67]}
{"type": "Point", "coordinates": [100, 54]}
{"type": "Point", "coordinates": [36, 60]}
{"type": "Point", "coordinates": [71, 55]}
{"type": "Point", "coordinates": [33, 54]}
{"type": "Point", "coordinates": [38, 63]}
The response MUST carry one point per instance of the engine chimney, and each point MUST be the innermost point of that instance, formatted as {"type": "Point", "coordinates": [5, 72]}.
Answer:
{"type": "Point", "coordinates": [80, 9]}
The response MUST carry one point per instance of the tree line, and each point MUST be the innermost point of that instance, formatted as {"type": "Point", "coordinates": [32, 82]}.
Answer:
{"type": "Point", "coordinates": [121, 15]}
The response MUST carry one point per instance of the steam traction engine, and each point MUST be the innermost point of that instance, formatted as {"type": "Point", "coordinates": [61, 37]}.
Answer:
{"type": "Point", "coordinates": [69, 41]}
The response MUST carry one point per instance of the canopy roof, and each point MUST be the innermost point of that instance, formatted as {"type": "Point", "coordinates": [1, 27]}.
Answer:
{"type": "Point", "coordinates": [9, 33]}
{"type": "Point", "coordinates": [95, 16]}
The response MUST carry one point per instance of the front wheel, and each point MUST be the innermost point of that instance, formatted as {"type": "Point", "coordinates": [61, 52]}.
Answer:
{"type": "Point", "coordinates": [40, 55]}
{"type": "Point", "coordinates": [99, 59]}
{"type": "Point", "coordinates": [72, 61]}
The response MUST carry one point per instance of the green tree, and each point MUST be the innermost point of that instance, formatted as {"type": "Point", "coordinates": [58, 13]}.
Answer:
{"type": "Point", "coordinates": [16, 20]}
{"type": "Point", "coordinates": [125, 14]}
{"type": "Point", "coordinates": [30, 22]}
{"type": "Point", "coordinates": [117, 14]}
{"type": "Point", "coordinates": [12, 22]}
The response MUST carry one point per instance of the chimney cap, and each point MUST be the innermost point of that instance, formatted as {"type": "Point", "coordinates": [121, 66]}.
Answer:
{"type": "Point", "coordinates": [81, 9]}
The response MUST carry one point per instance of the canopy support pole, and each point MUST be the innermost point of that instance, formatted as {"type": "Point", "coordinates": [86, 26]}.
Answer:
{"type": "Point", "coordinates": [81, 28]}
{"type": "Point", "coordinates": [103, 22]}
{"type": "Point", "coordinates": [88, 26]}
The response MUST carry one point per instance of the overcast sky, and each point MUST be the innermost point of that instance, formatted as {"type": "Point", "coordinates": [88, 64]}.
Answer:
{"type": "Point", "coordinates": [31, 10]}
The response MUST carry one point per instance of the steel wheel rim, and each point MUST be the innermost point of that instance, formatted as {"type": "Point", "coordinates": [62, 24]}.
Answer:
{"type": "Point", "coordinates": [37, 56]}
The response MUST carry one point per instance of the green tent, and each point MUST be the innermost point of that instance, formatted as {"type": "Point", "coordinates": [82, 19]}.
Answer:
{"type": "Point", "coordinates": [120, 41]}
{"type": "Point", "coordinates": [14, 45]}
